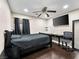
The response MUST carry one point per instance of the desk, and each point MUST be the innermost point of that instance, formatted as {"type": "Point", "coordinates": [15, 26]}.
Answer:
{"type": "Point", "coordinates": [58, 36]}
{"type": "Point", "coordinates": [53, 35]}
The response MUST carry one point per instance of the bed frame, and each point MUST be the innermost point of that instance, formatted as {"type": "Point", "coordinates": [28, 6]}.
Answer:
{"type": "Point", "coordinates": [14, 52]}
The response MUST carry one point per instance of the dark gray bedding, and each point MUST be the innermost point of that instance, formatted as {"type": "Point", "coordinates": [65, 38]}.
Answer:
{"type": "Point", "coordinates": [31, 40]}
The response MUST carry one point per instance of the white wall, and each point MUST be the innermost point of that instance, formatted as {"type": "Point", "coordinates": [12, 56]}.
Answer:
{"type": "Point", "coordinates": [5, 21]}
{"type": "Point", "coordinates": [36, 25]}
{"type": "Point", "coordinates": [60, 29]}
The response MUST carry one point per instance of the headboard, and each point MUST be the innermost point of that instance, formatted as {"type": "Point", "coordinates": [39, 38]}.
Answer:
{"type": "Point", "coordinates": [7, 36]}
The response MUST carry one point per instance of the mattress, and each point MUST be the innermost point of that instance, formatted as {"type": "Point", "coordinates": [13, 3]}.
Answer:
{"type": "Point", "coordinates": [27, 41]}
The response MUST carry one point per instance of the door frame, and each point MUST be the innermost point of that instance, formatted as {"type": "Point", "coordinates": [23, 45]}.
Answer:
{"type": "Point", "coordinates": [73, 30]}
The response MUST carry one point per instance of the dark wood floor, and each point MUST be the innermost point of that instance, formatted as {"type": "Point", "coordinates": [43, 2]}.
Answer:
{"type": "Point", "coordinates": [55, 52]}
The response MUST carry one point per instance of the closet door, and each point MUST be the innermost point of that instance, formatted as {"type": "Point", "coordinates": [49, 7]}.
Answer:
{"type": "Point", "coordinates": [76, 34]}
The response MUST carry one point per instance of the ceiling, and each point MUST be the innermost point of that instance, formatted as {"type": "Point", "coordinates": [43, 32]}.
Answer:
{"type": "Point", "coordinates": [18, 6]}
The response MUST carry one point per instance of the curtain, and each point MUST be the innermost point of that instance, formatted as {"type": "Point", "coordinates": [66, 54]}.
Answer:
{"type": "Point", "coordinates": [17, 26]}
{"type": "Point", "coordinates": [26, 27]}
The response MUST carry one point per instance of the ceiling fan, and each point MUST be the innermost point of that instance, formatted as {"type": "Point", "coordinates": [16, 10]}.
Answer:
{"type": "Point", "coordinates": [44, 10]}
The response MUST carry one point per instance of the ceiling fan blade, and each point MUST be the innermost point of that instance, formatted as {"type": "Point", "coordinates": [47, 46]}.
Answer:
{"type": "Point", "coordinates": [51, 11]}
{"type": "Point", "coordinates": [47, 15]}
{"type": "Point", "coordinates": [39, 15]}
{"type": "Point", "coordinates": [36, 11]}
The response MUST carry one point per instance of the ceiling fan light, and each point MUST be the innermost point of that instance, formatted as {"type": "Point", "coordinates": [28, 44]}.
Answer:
{"type": "Point", "coordinates": [45, 15]}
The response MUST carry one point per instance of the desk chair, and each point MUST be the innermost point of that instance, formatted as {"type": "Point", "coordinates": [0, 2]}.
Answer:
{"type": "Point", "coordinates": [67, 39]}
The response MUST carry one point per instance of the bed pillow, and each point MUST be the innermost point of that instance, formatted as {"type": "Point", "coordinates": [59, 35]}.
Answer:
{"type": "Point", "coordinates": [15, 36]}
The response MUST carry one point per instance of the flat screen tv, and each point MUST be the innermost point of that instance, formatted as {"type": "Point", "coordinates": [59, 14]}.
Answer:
{"type": "Point", "coordinates": [62, 20]}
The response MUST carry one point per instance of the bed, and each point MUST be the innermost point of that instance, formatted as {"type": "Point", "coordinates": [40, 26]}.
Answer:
{"type": "Point", "coordinates": [26, 43]}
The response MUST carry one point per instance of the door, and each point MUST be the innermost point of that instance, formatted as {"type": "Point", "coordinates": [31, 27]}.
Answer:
{"type": "Point", "coordinates": [76, 34]}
